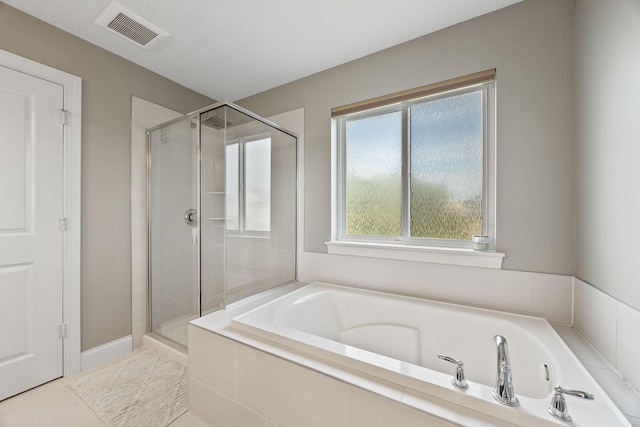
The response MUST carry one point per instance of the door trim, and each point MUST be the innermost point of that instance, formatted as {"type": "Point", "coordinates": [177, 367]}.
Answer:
{"type": "Point", "coordinates": [71, 278]}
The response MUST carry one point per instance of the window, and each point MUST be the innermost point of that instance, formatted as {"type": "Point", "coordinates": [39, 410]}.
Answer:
{"type": "Point", "coordinates": [418, 169]}
{"type": "Point", "coordinates": [248, 186]}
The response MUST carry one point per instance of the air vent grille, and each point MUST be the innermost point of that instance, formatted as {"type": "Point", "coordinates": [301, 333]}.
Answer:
{"type": "Point", "coordinates": [132, 29]}
{"type": "Point", "coordinates": [128, 24]}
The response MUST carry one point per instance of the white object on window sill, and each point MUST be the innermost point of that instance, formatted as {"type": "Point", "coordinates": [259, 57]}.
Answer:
{"type": "Point", "coordinates": [451, 256]}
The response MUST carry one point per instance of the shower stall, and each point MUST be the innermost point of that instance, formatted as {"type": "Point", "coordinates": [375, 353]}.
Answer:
{"type": "Point", "coordinates": [221, 213]}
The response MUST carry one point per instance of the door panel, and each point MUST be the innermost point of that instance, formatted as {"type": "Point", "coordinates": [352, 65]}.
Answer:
{"type": "Point", "coordinates": [17, 320]}
{"type": "Point", "coordinates": [14, 164]}
{"type": "Point", "coordinates": [31, 191]}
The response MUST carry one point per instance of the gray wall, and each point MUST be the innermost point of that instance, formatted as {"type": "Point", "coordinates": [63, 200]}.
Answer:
{"type": "Point", "coordinates": [108, 84]}
{"type": "Point", "coordinates": [531, 45]}
{"type": "Point", "coordinates": [608, 146]}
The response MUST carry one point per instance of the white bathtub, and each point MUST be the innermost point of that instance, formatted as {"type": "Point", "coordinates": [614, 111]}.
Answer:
{"type": "Point", "coordinates": [397, 339]}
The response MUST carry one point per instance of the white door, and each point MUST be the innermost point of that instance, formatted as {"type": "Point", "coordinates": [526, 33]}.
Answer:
{"type": "Point", "coordinates": [31, 243]}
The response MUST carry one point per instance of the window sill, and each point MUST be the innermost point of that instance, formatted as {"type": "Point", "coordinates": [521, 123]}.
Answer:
{"type": "Point", "coordinates": [451, 256]}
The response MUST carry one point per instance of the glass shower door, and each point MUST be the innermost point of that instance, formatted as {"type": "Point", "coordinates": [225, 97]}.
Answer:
{"type": "Point", "coordinates": [173, 228]}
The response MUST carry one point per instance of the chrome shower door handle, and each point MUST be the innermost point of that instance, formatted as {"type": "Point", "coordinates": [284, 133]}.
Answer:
{"type": "Point", "coordinates": [191, 217]}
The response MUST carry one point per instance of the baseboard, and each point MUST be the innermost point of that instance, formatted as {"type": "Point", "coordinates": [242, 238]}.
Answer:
{"type": "Point", "coordinates": [106, 352]}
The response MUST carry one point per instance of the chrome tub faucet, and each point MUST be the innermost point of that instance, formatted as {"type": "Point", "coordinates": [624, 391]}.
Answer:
{"type": "Point", "coordinates": [503, 392]}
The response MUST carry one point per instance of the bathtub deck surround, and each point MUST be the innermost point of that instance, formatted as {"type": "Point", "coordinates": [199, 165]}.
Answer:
{"type": "Point", "coordinates": [284, 381]}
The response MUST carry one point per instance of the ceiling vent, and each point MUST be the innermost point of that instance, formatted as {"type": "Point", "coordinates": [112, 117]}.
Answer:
{"type": "Point", "coordinates": [130, 25]}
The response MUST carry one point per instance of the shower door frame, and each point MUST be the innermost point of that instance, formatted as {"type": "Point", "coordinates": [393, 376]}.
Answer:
{"type": "Point", "coordinates": [196, 115]}
{"type": "Point", "coordinates": [148, 218]}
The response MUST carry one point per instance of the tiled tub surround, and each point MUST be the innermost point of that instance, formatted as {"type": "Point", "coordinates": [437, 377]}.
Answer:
{"type": "Point", "coordinates": [612, 328]}
{"type": "Point", "coordinates": [247, 381]}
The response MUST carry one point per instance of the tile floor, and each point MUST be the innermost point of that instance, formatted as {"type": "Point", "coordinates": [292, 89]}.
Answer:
{"type": "Point", "coordinates": [55, 404]}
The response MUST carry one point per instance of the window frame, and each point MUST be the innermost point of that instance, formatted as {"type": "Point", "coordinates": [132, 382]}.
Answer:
{"type": "Point", "coordinates": [339, 209]}
{"type": "Point", "coordinates": [242, 204]}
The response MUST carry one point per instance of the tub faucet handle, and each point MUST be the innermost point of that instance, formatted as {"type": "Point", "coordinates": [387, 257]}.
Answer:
{"type": "Point", "coordinates": [558, 406]}
{"type": "Point", "coordinates": [458, 378]}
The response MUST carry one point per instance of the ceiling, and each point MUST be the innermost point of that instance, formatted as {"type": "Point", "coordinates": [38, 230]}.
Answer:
{"type": "Point", "coordinates": [231, 49]}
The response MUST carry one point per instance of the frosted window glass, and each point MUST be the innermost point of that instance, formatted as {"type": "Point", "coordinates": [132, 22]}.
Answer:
{"type": "Point", "coordinates": [374, 175]}
{"type": "Point", "coordinates": [258, 185]}
{"type": "Point", "coordinates": [446, 140]}
{"type": "Point", "coordinates": [232, 187]}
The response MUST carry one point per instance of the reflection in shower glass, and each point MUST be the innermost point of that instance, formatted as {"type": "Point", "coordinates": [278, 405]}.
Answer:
{"type": "Point", "coordinates": [233, 187]}
{"type": "Point", "coordinates": [248, 186]}
{"type": "Point", "coordinates": [257, 196]}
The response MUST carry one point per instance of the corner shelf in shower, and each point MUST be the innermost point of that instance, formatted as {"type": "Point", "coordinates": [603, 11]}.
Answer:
{"type": "Point", "coordinates": [216, 219]}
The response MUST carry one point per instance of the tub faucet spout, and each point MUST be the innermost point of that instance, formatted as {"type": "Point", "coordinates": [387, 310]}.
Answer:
{"type": "Point", "coordinates": [503, 392]}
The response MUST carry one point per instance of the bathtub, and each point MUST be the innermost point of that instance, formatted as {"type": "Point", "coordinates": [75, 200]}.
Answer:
{"type": "Point", "coordinates": [398, 339]}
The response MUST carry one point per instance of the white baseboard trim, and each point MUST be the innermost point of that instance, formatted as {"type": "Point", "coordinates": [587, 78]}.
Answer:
{"type": "Point", "coordinates": [106, 352]}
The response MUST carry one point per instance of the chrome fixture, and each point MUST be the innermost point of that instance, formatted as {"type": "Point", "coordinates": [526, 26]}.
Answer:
{"type": "Point", "coordinates": [191, 217]}
{"type": "Point", "coordinates": [503, 392]}
{"type": "Point", "coordinates": [558, 406]}
{"type": "Point", "coordinates": [458, 377]}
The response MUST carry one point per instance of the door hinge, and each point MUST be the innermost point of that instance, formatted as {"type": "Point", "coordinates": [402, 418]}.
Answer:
{"type": "Point", "coordinates": [62, 223]}
{"type": "Point", "coordinates": [63, 117]}
{"type": "Point", "coordinates": [62, 330]}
